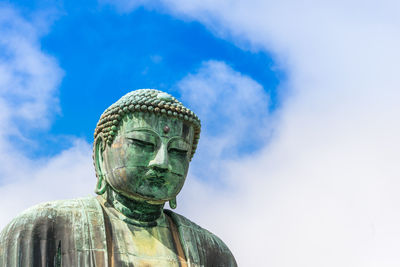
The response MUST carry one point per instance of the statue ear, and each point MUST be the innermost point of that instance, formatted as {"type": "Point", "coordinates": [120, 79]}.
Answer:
{"type": "Point", "coordinates": [99, 147]}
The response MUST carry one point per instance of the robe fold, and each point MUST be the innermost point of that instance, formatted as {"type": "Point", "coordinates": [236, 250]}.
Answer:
{"type": "Point", "coordinates": [74, 233]}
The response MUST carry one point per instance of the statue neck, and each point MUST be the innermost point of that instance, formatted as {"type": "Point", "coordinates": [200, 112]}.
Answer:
{"type": "Point", "coordinates": [136, 211]}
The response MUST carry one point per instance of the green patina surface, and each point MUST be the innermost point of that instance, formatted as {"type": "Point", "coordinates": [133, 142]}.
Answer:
{"type": "Point", "coordinates": [143, 146]}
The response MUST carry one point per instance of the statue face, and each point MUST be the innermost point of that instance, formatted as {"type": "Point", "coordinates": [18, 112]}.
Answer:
{"type": "Point", "coordinates": [149, 157]}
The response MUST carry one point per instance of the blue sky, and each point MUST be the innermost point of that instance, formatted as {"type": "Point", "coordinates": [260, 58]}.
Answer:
{"type": "Point", "coordinates": [298, 102]}
{"type": "Point", "coordinates": [105, 54]}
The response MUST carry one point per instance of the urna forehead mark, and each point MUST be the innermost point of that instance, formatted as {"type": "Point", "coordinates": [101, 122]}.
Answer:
{"type": "Point", "coordinates": [166, 129]}
{"type": "Point", "coordinates": [169, 127]}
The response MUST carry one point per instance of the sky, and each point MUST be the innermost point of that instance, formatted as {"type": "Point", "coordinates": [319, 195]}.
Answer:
{"type": "Point", "coordinates": [298, 161]}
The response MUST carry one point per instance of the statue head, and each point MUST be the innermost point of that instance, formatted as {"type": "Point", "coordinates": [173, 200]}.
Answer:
{"type": "Point", "coordinates": [143, 145]}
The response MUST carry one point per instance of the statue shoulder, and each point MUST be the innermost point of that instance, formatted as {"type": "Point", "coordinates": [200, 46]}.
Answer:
{"type": "Point", "coordinates": [49, 212]}
{"type": "Point", "coordinates": [46, 230]}
{"type": "Point", "coordinates": [194, 236]}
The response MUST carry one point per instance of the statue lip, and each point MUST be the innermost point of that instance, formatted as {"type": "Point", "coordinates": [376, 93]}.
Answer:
{"type": "Point", "coordinates": [156, 179]}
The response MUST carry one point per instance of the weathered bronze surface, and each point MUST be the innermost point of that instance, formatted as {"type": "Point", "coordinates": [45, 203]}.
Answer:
{"type": "Point", "coordinates": [143, 146]}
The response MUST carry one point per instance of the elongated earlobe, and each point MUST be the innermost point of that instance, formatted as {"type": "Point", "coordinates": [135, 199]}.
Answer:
{"type": "Point", "coordinates": [101, 185]}
{"type": "Point", "coordinates": [172, 203]}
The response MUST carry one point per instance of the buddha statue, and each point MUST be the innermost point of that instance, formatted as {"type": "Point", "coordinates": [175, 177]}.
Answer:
{"type": "Point", "coordinates": [143, 145]}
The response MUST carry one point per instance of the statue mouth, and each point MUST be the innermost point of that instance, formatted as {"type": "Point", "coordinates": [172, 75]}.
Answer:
{"type": "Point", "coordinates": [156, 179]}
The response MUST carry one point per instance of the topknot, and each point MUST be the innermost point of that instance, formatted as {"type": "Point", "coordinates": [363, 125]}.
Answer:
{"type": "Point", "coordinates": [145, 100]}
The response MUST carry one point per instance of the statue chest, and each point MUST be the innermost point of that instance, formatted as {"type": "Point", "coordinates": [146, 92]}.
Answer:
{"type": "Point", "coordinates": [143, 246]}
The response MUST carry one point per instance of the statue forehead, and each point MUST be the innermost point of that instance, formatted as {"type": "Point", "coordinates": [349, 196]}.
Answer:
{"type": "Point", "coordinates": [162, 124]}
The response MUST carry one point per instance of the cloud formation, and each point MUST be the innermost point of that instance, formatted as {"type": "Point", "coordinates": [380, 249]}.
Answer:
{"type": "Point", "coordinates": [323, 192]}
{"type": "Point", "coordinates": [235, 115]}
{"type": "Point", "coordinates": [29, 80]}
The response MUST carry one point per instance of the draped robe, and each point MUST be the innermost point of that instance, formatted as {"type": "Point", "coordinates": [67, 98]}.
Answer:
{"type": "Point", "coordinates": [76, 233]}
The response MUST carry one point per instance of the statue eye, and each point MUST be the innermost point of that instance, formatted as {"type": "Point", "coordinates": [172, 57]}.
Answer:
{"type": "Point", "coordinates": [141, 143]}
{"type": "Point", "coordinates": [178, 151]}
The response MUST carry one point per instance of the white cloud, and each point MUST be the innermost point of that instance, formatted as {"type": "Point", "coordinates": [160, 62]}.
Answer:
{"type": "Point", "coordinates": [25, 83]}
{"type": "Point", "coordinates": [67, 175]}
{"type": "Point", "coordinates": [324, 192]}
{"type": "Point", "coordinates": [240, 103]}
{"type": "Point", "coordinates": [29, 80]}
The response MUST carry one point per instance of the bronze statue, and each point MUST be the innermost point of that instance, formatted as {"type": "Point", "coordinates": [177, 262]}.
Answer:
{"type": "Point", "coordinates": [142, 149]}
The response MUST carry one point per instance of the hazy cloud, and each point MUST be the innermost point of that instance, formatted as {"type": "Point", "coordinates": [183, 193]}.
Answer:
{"type": "Point", "coordinates": [323, 192]}
{"type": "Point", "coordinates": [29, 80]}
{"type": "Point", "coordinates": [234, 117]}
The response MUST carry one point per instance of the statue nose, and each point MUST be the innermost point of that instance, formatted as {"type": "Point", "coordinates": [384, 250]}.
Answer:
{"type": "Point", "coordinates": [160, 161]}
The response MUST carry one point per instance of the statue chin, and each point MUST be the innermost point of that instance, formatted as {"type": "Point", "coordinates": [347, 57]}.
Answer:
{"type": "Point", "coordinates": [155, 194]}
{"type": "Point", "coordinates": [139, 197]}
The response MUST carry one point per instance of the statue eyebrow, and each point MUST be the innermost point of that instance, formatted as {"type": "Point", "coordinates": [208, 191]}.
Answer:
{"type": "Point", "coordinates": [142, 129]}
{"type": "Point", "coordinates": [179, 138]}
